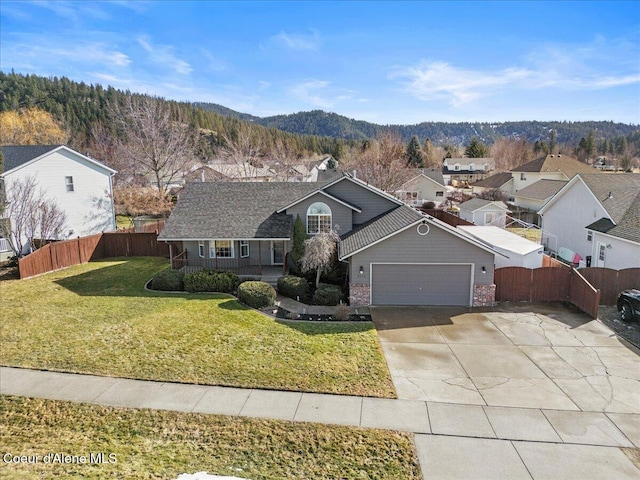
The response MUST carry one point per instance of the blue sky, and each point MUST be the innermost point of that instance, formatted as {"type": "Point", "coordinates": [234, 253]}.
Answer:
{"type": "Point", "coordinates": [384, 62]}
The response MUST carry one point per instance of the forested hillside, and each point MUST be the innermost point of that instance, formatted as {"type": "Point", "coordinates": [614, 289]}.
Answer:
{"type": "Point", "coordinates": [318, 122]}
{"type": "Point", "coordinates": [84, 110]}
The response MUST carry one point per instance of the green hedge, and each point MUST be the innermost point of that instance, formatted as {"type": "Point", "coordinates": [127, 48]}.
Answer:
{"type": "Point", "coordinates": [256, 294]}
{"type": "Point", "coordinates": [210, 281]}
{"type": "Point", "coordinates": [294, 287]}
{"type": "Point", "coordinates": [327, 294]}
{"type": "Point", "coordinates": [168, 280]}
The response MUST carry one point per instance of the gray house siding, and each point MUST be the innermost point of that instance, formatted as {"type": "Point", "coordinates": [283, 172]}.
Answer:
{"type": "Point", "coordinates": [438, 246]}
{"type": "Point", "coordinates": [341, 214]}
{"type": "Point", "coordinates": [450, 271]}
{"type": "Point", "coordinates": [259, 251]}
{"type": "Point", "coordinates": [371, 203]}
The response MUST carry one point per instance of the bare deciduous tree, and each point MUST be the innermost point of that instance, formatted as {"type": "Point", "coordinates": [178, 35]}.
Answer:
{"type": "Point", "coordinates": [381, 162]}
{"type": "Point", "coordinates": [158, 140]}
{"type": "Point", "coordinates": [508, 153]}
{"type": "Point", "coordinates": [319, 251]}
{"type": "Point", "coordinates": [243, 149]}
{"type": "Point", "coordinates": [32, 215]}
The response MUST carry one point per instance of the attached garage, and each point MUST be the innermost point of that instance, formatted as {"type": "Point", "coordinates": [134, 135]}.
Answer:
{"type": "Point", "coordinates": [421, 284]}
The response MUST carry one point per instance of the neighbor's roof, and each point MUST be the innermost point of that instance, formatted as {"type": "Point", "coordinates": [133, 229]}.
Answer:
{"type": "Point", "coordinates": [17, 155]}
{"type": "Point", "coordinates": [239, 210]}
{"type": "Point", "coordinates": [496, 237]}
{"type": "Point", "coordinates": [556, 163]}
{"type": "Point", "coordinates": [378, 228]}
{"type": "Point", "coordinates": [477, 203]}
{"type": "Point", "coordinates": [541, 190]}
{"type": "Point", "coordinates": [494, 181]}
{"type": "Point", "coordinates": [624, 204]}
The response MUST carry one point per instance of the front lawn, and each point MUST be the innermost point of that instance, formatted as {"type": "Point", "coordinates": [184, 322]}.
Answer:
{"type": "Point", "coordinates": [153, 444]}
{"type": "Point", "coordinates": [97, 318]}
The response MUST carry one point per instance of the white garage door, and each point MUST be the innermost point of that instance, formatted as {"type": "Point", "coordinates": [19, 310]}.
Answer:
{"type": "Point", "coordinates": [415, 284]}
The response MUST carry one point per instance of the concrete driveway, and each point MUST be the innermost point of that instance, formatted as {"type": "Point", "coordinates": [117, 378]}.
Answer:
{"type": "Point", "coordinates": [543, 356]}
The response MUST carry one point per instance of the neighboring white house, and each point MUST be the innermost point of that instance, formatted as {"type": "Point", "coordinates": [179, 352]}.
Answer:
{"type": "Point", "coordinates": [597, 216]}
{"type": "Point", "coordinates": [456, 171]}
{"type": "Point", "coordinates": [426, 186]}
{"type": "Point", "coordinates": [549, 167]}
{"type": "Point", "coordinates": [484, 212]}
{"type": "Point", "coordinates": [79, 185]}
{"type": "Point", "coordinates": [516, 251]}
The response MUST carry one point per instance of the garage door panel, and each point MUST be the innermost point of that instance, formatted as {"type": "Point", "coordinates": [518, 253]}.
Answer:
{"type": "Point", "coordinates": [413, 284]}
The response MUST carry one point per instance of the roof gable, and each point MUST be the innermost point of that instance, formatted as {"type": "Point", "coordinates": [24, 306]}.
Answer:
{"type": "Point", "coordinates": [18, 156]}
{"type": "Point", "coordinates": [476, 204]}
{"type": "Point", "coordinates": [555, 163]}
{"type": "Point", "coordinates": [494, 181]}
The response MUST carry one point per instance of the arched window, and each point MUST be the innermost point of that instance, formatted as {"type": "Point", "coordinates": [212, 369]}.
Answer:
{"type": "Point", "coordinates": [318, 218]}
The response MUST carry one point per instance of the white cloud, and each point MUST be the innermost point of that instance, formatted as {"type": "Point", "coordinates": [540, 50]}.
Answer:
{"type": "Point", "coordinates": [297, 41]}
{"type": "Point", "coordinates": [600, 64]}
{"type": "Point", "coordinates": [308, 91]}
{"type": "Point", "coordinates": [163, 55]}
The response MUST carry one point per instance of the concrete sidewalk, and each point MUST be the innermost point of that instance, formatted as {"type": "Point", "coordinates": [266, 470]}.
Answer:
{"type": "Point", "coordinates": [452, 440]}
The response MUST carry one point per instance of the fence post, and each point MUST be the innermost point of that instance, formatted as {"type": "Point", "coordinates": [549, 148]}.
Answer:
{"type": "Point", "coordinates": [50, 256]}
{"type": "Point", "coordinates": [79, 250]}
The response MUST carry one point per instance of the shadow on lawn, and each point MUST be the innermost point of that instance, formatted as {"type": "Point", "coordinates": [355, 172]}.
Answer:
{"type": "Point", "coordinates": [126, 278]}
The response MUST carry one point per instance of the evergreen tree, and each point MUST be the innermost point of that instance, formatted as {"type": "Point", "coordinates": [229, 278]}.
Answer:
{"type": "Point", "coordinates": [552, 140]}
{"type": "Point", "coordinates": [414, 154]}
{"type": "Point", "coordinates": [476, 149]}
{"type": "Point", "coordinates": [297, 244]}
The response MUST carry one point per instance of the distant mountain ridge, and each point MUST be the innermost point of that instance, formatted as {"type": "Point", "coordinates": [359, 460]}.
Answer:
{"type": "Point", "coordinates": [319, 122]}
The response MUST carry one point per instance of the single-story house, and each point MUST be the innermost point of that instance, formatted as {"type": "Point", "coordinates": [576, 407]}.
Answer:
{"type": "Point", "coordinates": [426, 186]}
{"type": "Point", "coordinates": [395, 255]}
{"type": "Point", "coordinates": [516, 250]}
{"type": "Point", "coordinates": [502, 181]}
{"type": "Point", "coordinates": [597, 216]}
{"type": "Point", "coordinates": [80, 186]}
{"type": "Point", "coordinates": [484, 212]}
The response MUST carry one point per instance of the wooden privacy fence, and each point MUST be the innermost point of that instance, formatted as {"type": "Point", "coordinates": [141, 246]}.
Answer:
{"type": "Point", "coordinates": [611, 282]}
{"type": "Point", "coordinates": [546, 284]}
{"type": "Point", "coordinates": [55, 256]}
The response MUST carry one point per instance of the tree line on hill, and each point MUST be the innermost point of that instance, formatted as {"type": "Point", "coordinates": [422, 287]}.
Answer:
{"type": "Point", "coordinates": [152, 141]}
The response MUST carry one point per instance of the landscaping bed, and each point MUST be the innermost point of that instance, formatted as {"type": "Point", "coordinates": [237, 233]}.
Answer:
{"type": "Point", "coordinates": [150, 444]}
{"type": "Point", "coordinates": [284, 314]}
{"type": "Point", "coordinates": [97, 318]}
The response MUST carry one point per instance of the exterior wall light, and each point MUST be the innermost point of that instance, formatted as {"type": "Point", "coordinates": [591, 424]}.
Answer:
{"type": "Point", "coordinates": [484, 270]}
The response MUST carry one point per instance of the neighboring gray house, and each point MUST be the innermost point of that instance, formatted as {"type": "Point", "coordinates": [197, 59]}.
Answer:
{"type": "Point", "coordinates": [484, 212]}
{"type": "Point", "coordinates": [396, 255]}
{"type": "Point", "coordinates": [597, 216]}
{"type": "Point", "coordinates": [426, 186]}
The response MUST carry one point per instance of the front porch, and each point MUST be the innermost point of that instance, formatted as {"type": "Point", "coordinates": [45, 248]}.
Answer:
{"type": "Point", "coordinates": [241, 266]}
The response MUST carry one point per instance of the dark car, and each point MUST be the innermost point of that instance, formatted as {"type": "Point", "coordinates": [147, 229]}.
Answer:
{"type": "Point", "coordinates": [629, 304]}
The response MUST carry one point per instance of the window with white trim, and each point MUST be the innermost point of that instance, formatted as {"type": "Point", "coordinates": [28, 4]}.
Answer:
{"type": "Point", "coordinates": [221, 249]}
{"type": "Point", "coordinates": [589, 235]}
{"type": "Point", "coordinates": [601, 251]}
{"type": "Point", "coordinates": [244, 248]}
{"type": "Point", "coordinates": [201, 249]}
{"type": "Point", "coordinates": [318, 218]}
{"type": "Point", "coordinates": [523, 177]}
{"type": "Point", "coordinates": [440, 194]}
{"type": "Point", "coordinates": [68, 181]}
{"type": "Point", "coordinates": [409, 196]}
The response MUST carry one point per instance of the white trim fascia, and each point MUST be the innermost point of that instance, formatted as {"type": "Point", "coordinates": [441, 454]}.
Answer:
{"type": "Point", "coordinates": [533, 198]}
{"type": "Point", "coordinates": [596, 232]}
{"type": "Point", "coordinates": [496, 203]}
{"type": "Point", "coordinates": [352, 207]}
{"type": "Point", "coordinates": [365, 185]}
{"type": "Point", "coordinates": [33, 160]}
{"type": "Point", "coordinates": [418, 176]}
{"type": "Point", "coordinates": [561, 192]}
{"type": "Point", "coordinates": [471, 276]}
{"type": "Point", "coordinates": [435, 222]}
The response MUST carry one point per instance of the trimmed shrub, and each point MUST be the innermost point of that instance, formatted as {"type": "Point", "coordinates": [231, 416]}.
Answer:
{"type": "Point", "coordinates": [327, 294]}
{"type": "Point", "coordinates": [168, 280]}
{"type": "Point", "coordinates": [342, 313]}
{"type": "Point", "coordinates": [256, 294]}
{"type": "Point", "coordinates": [294, 287]}
{"type": "Point", "coordinates": [210, 281]}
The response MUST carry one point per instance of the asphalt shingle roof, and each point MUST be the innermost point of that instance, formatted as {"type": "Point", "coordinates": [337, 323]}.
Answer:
{"type": "Point", "coordinates": [234, 210]}
{"type": "Point", "coordinates": [477, 203]}
{"type": "Point", "coordinates": [494, 181]}
{"type": "Point", "coordinates": [377, 228]}
{"type": "Point", "coordinates": [624, 204]}
{"type": "Point", "coordinates": [541, 190]}
{"type": "Point", "coordinates": [16, 155]}
{"type": "Point", "coordinates": [556, 163]}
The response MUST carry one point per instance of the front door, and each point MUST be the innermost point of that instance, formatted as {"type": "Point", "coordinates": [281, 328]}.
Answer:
{"type": "Point", "coordinates": [601, 254]}
{"type": "Point", "coordinates": [277, 252]}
